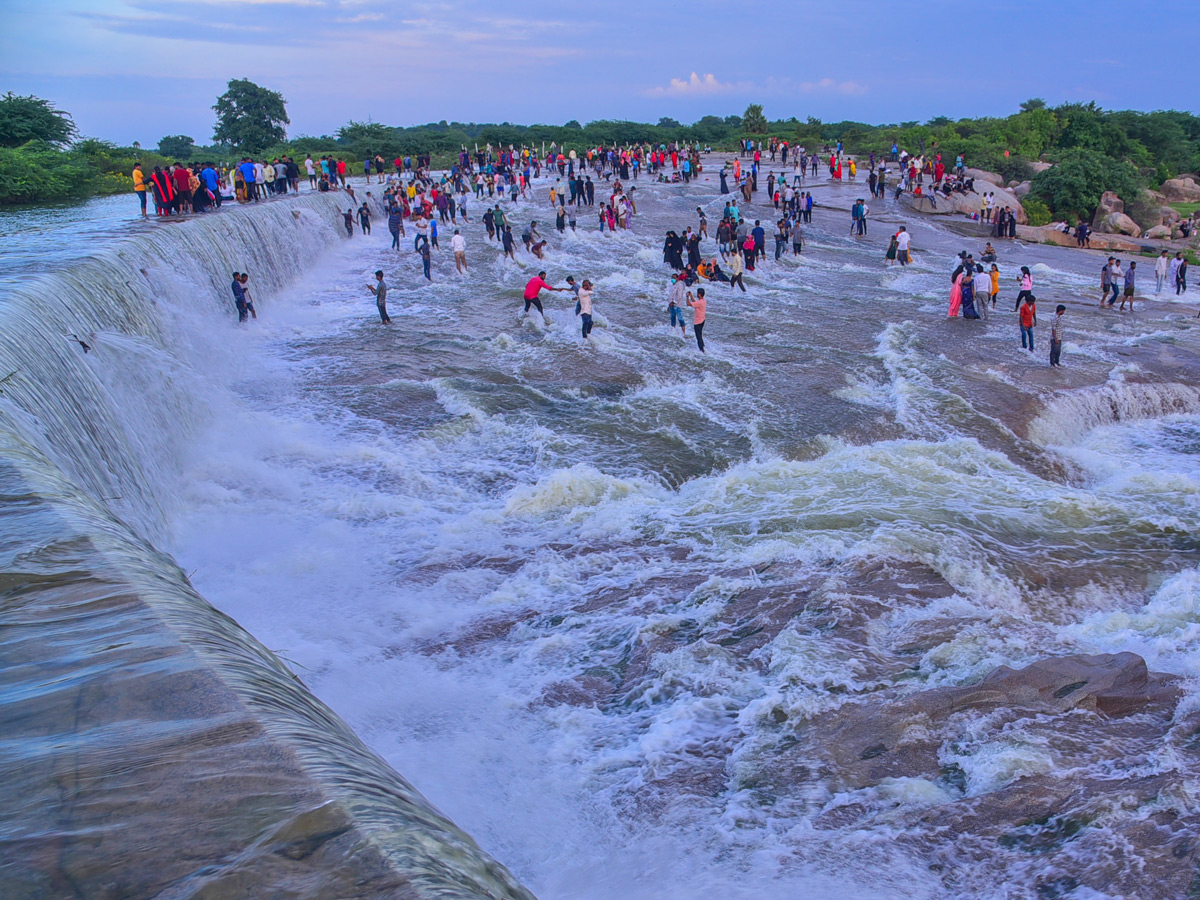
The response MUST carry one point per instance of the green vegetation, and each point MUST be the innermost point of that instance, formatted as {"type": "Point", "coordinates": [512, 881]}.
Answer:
{"type": "Point", "coordinates": [176, 146]}
{"type": "Point", "coordinates": [1092, 150]}
{"type": "Point", "coordinates": [1185, 209]}
{"type": "Point", "coordinates": [250, 118]}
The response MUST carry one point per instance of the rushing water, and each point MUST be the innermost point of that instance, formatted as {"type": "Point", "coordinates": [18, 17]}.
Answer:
{"type": "Point", "coordinates": [600, 602]}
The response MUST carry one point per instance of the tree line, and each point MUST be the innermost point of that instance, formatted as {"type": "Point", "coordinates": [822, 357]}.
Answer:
{"type": "Point", "coordinates": [43, 158]}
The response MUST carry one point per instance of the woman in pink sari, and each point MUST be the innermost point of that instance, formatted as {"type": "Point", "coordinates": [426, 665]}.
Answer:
{"type": "Point", "coordinates": [956, 296]}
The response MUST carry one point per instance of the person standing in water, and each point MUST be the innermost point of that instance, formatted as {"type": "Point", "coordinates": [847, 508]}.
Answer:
{"type": "Point", "coordinates": [1028, 315]}
{"type": "Point", "coordinates": [459, 245]}
{"type": "Point", "coordinates": [380, 289]}
{"type": "Point", "coordinates": [585, 307]}
{"type": "Point", "coordinates": [239, 296]}
{"type": "Point", "coordinates": [675, 305]}
{"type": "Point", "coordinates": [1056, 336]}
{"type": "Point", "coordinates": [699, 306]}
{"type": "Point", "coordinates": [533, 289]}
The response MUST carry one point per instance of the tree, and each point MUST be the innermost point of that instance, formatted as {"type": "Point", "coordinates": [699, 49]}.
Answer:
{"type": "Point", "coordinates": [753, 120]}
{"type": "Point", "coordinates": [1074, 185]}
{"type": "Point", "coordinates": [176, 146]}
{"type": "Point", "coordinates": [25, 119]}
{"type": "Point", "coordinates": [667, 122]}
{"type": "Point", "coordinates": [574, 123]}
{"type": "Point", "coordinates": [249, 117]}
{"type": "Point", "coordinates": [1033, 103]}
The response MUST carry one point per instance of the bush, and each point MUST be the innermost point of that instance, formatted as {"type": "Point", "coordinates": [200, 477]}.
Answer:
{"type": "Point", "coordinates": [1073, 187]}
{"type": "Point", "coordinates": [1037, 211]}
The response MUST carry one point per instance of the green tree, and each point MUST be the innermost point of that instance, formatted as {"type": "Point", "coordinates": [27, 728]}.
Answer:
{"type": "Point", "coordinates": [1033, 103]}
{"type": "Point", "coordinates": [1074, 186]}
{"type": "Point", "coordinates": [250, 118]}
{"type": "Point", "coordinates": [668, 122]}
{"type": "Point", "coordinates": [753, 120]}
{"type": "Point", "coordinates": [176, 146]}
{"type": "Point", "coordinates": [24, 119]}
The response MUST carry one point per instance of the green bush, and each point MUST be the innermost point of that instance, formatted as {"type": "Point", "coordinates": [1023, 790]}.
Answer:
{"type": "Point", "coordinates": [1037, 211]}
{"type": "Point", "coordinates": [1073, 187]}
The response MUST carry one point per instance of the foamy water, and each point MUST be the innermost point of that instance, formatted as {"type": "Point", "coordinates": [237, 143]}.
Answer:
{"type": "Point", "coordinates": [602, 602]}
{"type": "Point", "coordinates": [512, 559]}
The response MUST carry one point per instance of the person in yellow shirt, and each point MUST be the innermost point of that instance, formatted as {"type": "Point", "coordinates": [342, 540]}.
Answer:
{"type": "Point", "coordinates": [139, 185]}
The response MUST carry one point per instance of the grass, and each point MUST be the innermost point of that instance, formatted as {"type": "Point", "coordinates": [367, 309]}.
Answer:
{"type": "Point", "coordinates": [1185, 209]}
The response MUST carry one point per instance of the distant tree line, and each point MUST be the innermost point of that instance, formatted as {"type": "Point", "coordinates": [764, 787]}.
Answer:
{"type": "Point", "coordinates": [1092, 150]}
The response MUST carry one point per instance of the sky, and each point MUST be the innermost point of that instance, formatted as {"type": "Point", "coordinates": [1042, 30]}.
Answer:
{"type": "Point", "coordinates": [135, 70]}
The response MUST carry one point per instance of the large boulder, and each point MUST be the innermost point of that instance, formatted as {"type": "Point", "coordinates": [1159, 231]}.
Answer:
{"type": "Point", "coordinates": [1109, 203]}
{"type": "Point", "coordinates": [1119, 223]}
{"type": "Point", "coordinates": [1159, 233]}
{"type": "Point", "coordinates": [1039, 166]}
{"type": "Point", "coordinates": [889, 737]}
{"type": "Point", "coordinates": [1022, 188]}
{"type": "Point", "coordinates": [1170, 215]}
{"type": "Point", "coordinates": [984, 175]}
{"type": "Point", "coordinates": [1183, 189]}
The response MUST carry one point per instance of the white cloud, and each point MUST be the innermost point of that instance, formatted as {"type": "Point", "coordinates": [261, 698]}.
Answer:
{"type": "Point", "coordinates": [697, 85]}
{"type": "Point", "coordinates": [828, 85]}
{"type": "Point", "coordinates": [361, 17]}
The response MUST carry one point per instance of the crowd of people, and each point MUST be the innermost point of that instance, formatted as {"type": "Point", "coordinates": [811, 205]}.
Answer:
{"type": "Point", "coordinates": [428, 202]}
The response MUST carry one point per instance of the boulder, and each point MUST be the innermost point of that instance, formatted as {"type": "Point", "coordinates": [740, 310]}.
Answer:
{"type": "Point", "coordinates": [1109, 203]}
{"type": "Point", "coordinates": [1119, 223]}
{"type": "Point", "coordinates": [1183, 189]}
{"type": "Point", "coordinates": [983, 175]}
{"type": "Point", "coordinates": [1158, 233]}
{"type": "Point", "coordinates": [1039, 166]}
{"type": "Point", "coordinates": [882, 737]}
{"type": "Point", "coordinates": [1023, 188]}
{"type": "Point", "coordinates": [1170, 215]}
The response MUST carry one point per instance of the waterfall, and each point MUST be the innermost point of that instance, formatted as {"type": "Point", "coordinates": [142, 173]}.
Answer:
{"type": "Point", "coordinates": [153, 747]}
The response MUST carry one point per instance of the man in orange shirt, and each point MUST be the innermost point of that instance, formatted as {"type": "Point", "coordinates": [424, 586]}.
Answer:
{"type": "Point", "coordinates": [139, 185]}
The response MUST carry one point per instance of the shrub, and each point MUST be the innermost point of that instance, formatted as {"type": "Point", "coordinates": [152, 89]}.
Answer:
{"type": "Point", "coordinates": [1037, 211]}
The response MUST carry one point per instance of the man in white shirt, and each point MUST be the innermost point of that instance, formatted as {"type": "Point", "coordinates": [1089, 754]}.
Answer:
{"type": "Point", "coordinates": [1115, 276]}
{"type": "Point", "coordinates": [459, 245]}
{"type": "Point", "coordinates": [902, 241]}
{"type": "Point", "coordinates": [1161, 267]}
{"type": "Point", "coordinates": [311, 169]}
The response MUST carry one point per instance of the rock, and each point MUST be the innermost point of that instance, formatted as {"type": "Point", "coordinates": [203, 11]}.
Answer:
{"type": "Point", "coordinates": [1039, 166]}
{"type": "Point", "coordinates": [983, 175]}
{"type": "Point", "coordinates": [1048, 234]}
{"type": "Point", "coordinates": [1022, 188]}
{"type": "Point", "coordinates": [1158, 233]}
{"type": "Point", "coordinates": [901, 736]}
{"type": "Point", "coordinates": [1119, 223]}
{"type": "Point", "coordinates": [1183, 189]}
{"type": "Point", "coordinates": [1170, 215]}
{"type": "Point", "coordinates": [1109, 203]}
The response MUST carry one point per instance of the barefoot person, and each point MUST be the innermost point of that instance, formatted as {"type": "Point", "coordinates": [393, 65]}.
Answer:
{"type": "Point", "coordinates": [585, 307]}
{"type": "Point", "coordinates": [380, 289]}
{"type": "Point", "coordinates": [533, 289]}
{"type": "Point", "coordinates": [459, 245]}
{"type": "Point", "coordinates": [699, 306]}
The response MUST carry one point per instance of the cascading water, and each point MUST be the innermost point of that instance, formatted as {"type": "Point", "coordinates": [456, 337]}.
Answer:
{"type": "Point", "coordinates": [152, 747]}
{"type": "Point", "coordinates": [646, 623]}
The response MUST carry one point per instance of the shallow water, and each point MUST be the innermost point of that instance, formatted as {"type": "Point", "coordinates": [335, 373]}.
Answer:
{"type": "Point", "coordinates": [594, 599]}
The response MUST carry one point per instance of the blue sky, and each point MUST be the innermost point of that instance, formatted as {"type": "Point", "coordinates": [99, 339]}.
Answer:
{"type": "Point", "coordinates": [139, 69]}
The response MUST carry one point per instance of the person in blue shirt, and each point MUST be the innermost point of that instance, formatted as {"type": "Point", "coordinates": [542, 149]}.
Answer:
{"type": "Point", "coordinates": [239, 296]}
{"type": "Point", "coordinates": [760, 240]}
{"type": "Point", "coordinates": [247, 170]}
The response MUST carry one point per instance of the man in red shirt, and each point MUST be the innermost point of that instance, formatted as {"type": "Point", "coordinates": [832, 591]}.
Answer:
{"type": "Point", "coordinates": [182, 176]}
{"type": "Point", "coordinates": [533, 288]}
{"type": "Point", "coordinates": [341, 170]}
